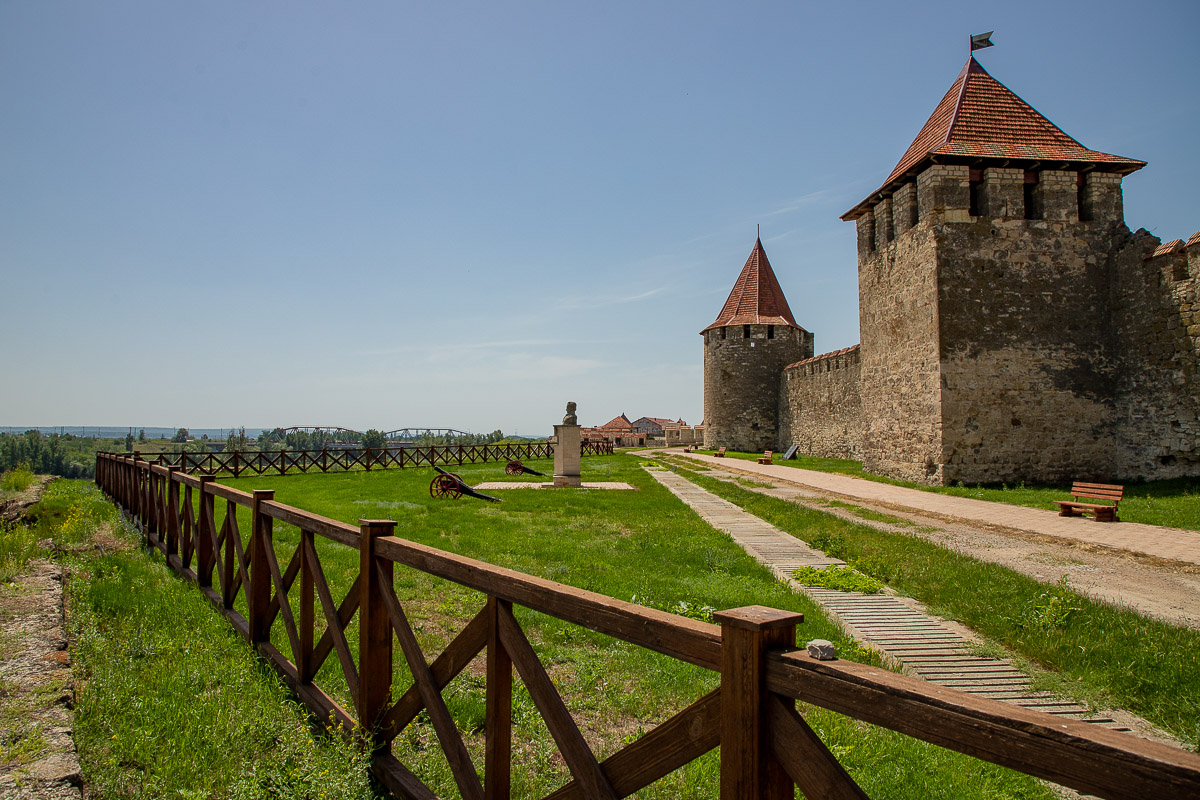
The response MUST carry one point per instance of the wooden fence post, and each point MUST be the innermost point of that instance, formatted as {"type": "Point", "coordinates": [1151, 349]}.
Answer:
{"type": "Point", "coordinates": [307, 617]}
{"type": "Point", "coordinates": [497, 758]}
{"type": "Point", "coordinates": [258, 593]}
{"type": "Point", "coordinates": [153, 515]}
{"type": "Point", "coordinates": [122, 480]}
{"type": "Point", "coordinates": [172, 513]}
{"type": "Point", "coordinates": [206, 556]}
{"type": "Point", "coordinates": [141, 494]}
{"type": "Point", "coordinates": [229, 563]}
{"type": "Point", "coordinates": [374, 628]}
{"type": "Point", "coordinates": [748, 769]}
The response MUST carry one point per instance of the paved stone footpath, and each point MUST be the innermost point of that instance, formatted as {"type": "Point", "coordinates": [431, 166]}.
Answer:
{"type": "Point", "coordinates": [939, 651]}
{"type": "Point", "coordinates": [1170, 543]}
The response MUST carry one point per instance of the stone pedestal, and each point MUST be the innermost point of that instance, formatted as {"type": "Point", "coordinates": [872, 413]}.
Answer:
{"type": "Point", "coordinates": [566, 455]}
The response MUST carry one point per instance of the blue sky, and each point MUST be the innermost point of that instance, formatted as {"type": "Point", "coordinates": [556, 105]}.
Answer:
{"type": "Point", "coordinates": [466, 214]}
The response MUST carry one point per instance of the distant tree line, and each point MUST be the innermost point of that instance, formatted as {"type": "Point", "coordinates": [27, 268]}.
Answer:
{"type": "Point", "coordinates": [466, 438]}
{"type": "Point", "coordinates": [65, 455]}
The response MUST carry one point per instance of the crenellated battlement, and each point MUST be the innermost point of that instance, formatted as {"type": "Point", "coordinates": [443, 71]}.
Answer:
{"type": "Point", "coordinates": [1178, 260]}
{"type": "Point", "coordinates": [842, 359]}
{"type": "Point", "coordinates": [950, 193]}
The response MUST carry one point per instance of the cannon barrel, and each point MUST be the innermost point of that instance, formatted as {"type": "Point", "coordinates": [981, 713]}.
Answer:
{"type": "Point", "coordinates": [515, 467]}
{"type": "Point", "coordinates": [447, 484]}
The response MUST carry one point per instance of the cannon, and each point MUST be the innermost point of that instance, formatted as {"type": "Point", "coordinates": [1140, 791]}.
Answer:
{"type": "Point", "coordinates": [447, 484]}
{"type": "Point", "coordinates": [515, 467]}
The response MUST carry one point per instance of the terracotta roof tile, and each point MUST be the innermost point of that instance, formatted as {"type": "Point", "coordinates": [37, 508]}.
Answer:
{"type": "Point", "coordinates": [756, 298]}
{"type": "Point", "coordinates": [619, 423]}
{"type": "Point", "coordinates": [1194, 239]}
{"type": "Point", "coordinates": [1167, 248]}
{"type": "Point", "coordinates": [980, 118]}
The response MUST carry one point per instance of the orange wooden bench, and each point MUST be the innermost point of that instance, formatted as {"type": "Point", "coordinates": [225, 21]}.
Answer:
{"type": "Point", "coordinates": [1096, 491]}
{"type": "Point", "coordinates": [720, 453]}
{"type": "Point", "coordinates": [767, 458]}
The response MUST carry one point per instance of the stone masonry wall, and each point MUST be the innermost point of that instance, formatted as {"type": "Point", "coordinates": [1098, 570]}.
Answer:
{"type": "Point", "coordinates": [820, 409]}
{"type": "Point", "coordinates": [1157, 319]}
{"type": "Point", "coordinates": [1001, 348]}
{"type": "Point", "coordinates": [1027, 359]}
{"type": "Point", "coordinates": [900, 386]}
{"type": "Point", "coordinates": [741, 383]}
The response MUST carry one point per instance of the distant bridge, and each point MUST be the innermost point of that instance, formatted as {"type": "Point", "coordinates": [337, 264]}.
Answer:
{"type": "Point", "coordinates": [341, 435]}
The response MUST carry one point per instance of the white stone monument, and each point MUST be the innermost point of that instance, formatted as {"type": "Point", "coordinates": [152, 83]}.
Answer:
{"type": "Point", "coordinates": [567, 450]}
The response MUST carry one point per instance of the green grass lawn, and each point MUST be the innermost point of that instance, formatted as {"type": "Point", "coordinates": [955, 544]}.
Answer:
{"type": "Point", "coordinates": [1100, 653]}
{"type": "Point", "coordinates": [169, 701]}
{"type": "Point", "coordinates": [644, 546]}
{"type": "Point", "coordinates": [1174, 503]}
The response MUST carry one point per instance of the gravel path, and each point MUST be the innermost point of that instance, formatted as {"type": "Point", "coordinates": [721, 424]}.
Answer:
{"type": "Point", "coordinates": [1162, 588]}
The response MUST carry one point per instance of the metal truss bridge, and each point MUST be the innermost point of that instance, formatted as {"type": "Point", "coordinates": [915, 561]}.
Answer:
{"type": "Point", "coordinates": [339, 435]}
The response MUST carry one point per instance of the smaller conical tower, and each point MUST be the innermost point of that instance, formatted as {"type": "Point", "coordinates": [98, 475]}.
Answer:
{"type": "Point", "coordinates": [745, 350]}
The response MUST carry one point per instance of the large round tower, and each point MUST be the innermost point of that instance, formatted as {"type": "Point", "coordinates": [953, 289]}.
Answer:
{"type": "Point", "coordinates": [745, 350]}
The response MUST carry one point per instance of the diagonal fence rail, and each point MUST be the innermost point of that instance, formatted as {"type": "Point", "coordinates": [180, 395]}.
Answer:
{"type": "Point", "coordinates": [766, 747]}
{"type": "Point", "coordinates": [283, 462]}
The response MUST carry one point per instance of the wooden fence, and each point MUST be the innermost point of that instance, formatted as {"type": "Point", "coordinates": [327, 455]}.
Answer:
{"type": "Point", "coordinates": [766, 748]}
{"type": "Point", "coordinates": [281, 462]}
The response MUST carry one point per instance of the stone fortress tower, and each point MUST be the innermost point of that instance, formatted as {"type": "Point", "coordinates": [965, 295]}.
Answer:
{"type": "Point", "coordinates": [745, 351]}
{"type": "Point", "coordinates": [1013, 328]}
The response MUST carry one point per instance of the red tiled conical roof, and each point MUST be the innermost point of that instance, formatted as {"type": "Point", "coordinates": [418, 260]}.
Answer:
{"type": "Point", "coordinates": [980, 119]}
{"type": "Point", "coordinates": [756, 297]}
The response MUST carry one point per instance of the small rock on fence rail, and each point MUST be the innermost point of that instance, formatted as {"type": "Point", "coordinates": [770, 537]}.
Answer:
{"type": "Point", "coordinates": [822, 650]}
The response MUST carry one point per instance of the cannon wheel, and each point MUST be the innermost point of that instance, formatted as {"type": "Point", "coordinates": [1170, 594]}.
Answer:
{"type": "Point", "coordinates": [514, 467]}
{"type": "Point", "coordinates": [446, 486]}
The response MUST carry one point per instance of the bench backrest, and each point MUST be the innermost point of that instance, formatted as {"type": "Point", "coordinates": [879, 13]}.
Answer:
{"type": "Point", "coordinates": [722, 450]}
{"type": "Point", "coordinates": [769, 454]}
{"type": "Point", "coordinates": [1098, 491]}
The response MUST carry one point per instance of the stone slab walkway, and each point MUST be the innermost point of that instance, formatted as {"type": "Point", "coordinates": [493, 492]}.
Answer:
{"type": "Point", "coordinates": [939, 651]}
{"type": "Point", "coordinates": [607, 485]}
{"type": "Point", "coordinates": [1174, 544]}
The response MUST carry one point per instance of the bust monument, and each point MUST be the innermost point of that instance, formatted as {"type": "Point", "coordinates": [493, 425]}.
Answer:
{"type": "Point", "coordinates": [567, 450]}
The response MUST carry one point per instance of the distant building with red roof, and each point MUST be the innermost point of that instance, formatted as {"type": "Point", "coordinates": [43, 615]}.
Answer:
{"type": "Point", "coordinates": [1013, 328]}
{"type": "Point", "coordinates": [623, 433]}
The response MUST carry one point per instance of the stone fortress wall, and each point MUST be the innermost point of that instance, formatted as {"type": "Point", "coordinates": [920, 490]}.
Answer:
{"type": "Point", "coordinates": [1157, 321]}
{"type": "Point", "coordinates": [1005, 343]}
{"type": "Point", "coordinates": [820, 409]}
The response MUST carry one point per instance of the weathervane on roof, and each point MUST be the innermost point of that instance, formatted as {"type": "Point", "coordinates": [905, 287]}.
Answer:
{"type": "Point", "coordinates": [981, 40]}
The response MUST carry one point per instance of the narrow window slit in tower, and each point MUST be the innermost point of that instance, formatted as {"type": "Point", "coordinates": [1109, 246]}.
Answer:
{"type": "Point", "coordinates": [1031, 182]}
{"type": "Point", "coordinates": [770, 331]}
{"type": "Point", "coordinates": [975, 181]}
{"type": "Point", "coordinates": [745, 331]}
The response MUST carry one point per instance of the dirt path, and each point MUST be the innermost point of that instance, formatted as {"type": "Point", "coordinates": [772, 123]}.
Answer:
{"type": "Point", "coordinates": [1159, 588]}
{"type": "Point", "coordinates": [37, 754]}
{"type": "Point", "coordinates": [14, 507]}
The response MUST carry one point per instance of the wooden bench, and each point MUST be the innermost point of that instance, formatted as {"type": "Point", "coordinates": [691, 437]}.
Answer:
{"type": "Point", "coordinates": [767, 458]}
{"type": "Point", "coordinates": [1095, 491]}
{"type": "Point", "coordinates": [720, 453]}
